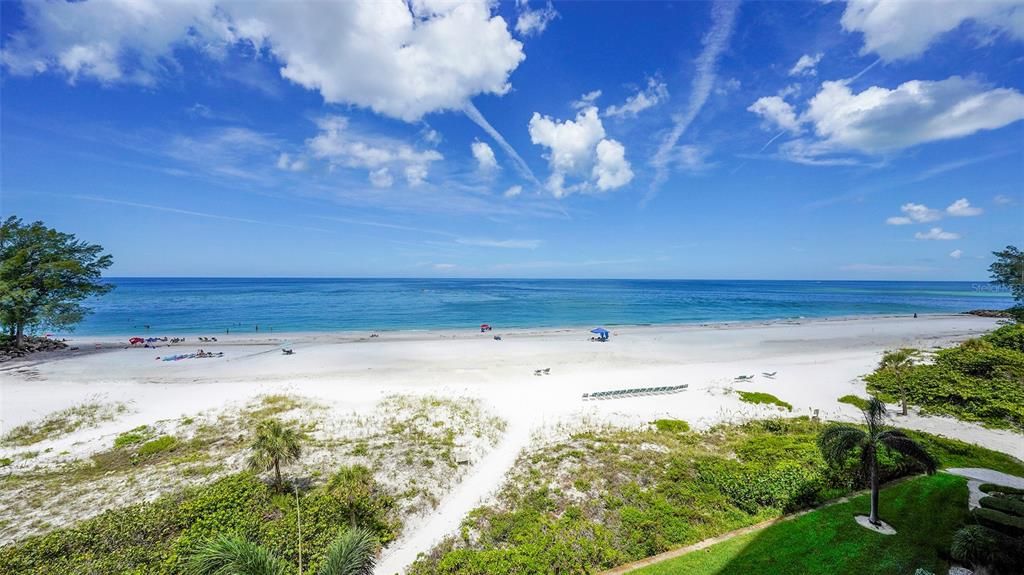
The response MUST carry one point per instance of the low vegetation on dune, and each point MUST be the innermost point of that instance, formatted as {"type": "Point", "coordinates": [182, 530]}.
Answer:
{"type": "Point", "coordinates": [980, 380]}
{"type": "Point", "coordinates": [759, 397]}
{"type": "Point", "coordinates": [610, 496]}
{"type": "Point", "coordinates": [164, 536]}
{"type": "Point", "coordinates": [64, 422]}
{"type": "Point", "coordinates": [410, 444]}
{"type": "Point", "coordinates": [854, 400]}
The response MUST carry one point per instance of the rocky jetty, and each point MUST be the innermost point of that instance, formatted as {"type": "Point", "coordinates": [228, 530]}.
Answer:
{"type": "Point", "coordinates": [28, 347]}
{"type": "Point", "coordinates": [989, 313]}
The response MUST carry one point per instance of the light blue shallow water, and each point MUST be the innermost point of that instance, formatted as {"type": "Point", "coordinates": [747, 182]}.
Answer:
{"type": "Point", "coordinates": [213, 305]}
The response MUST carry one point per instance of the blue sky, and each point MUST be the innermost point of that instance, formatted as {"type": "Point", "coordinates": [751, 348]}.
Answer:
{"type": "Point", "coordinates": [765, 140]}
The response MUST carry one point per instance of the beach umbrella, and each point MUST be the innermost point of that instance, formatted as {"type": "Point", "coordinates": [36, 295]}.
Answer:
{"type": "Point", "coordinates": [600, 331]}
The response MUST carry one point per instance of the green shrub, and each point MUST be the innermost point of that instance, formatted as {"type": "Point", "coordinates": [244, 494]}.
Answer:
{"type": "Point", "coordinates": [158, 445]}
{"type": "Point", "coordinates": [1003, 522]}
{"type": "Point", "coordinates": [138, 435]}
{"type": "Point", "coordinates": [981, 547]}
{"type": "Point", "coordinates": [979, 380]}
{"type": "Point", "coordinates": [758, 397]}
{"type": "Point", "coordinates": [858, 402]}
{"type": "Point", "coordinates": [1007, 505]}
{"type": "Point", "coordinates": [671, 425]}
{"type": "Point", "coordinates": [993, 488]}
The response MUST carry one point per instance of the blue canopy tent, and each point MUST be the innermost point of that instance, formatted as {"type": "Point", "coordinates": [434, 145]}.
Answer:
{"type": "Point", "coordinates": [601, 332]}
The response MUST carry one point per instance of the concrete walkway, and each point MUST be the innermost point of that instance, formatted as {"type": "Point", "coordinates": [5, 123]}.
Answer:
{"type": "Point", "coordinates": [977, 475]}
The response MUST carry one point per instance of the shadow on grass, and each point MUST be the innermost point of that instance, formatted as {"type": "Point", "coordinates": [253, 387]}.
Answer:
{"type": "Point", "coordinates": [925, 511]}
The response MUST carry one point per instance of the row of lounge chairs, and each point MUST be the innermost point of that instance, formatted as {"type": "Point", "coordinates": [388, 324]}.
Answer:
{"type": "Point", "coordinates": [638, 392]}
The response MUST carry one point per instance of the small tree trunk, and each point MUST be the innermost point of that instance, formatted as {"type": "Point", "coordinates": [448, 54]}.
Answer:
{"type": "Point", "coordinates": [277, 471]}
{"type": "Point", "coordinates": [19, 334]}
{"type": "Point", "coordinates": [874, 493]}
{"type": "Point", "coordinates": [904, 404]}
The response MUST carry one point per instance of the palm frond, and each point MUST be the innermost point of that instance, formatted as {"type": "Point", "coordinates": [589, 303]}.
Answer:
{"type": "Point", "coordinates": [233, 555]}
{"type": "Point", "coordinates": [352, 553]}
{"type": "Point", "coordinates": [898, 441]}
{"type": "Point", "coordinates": [874, 415]}
{"type": "Point", "coordinates": [837, 442]}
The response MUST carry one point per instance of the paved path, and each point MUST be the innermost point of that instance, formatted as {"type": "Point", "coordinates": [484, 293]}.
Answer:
{"type": "Point", "coordinates": [977, 475]}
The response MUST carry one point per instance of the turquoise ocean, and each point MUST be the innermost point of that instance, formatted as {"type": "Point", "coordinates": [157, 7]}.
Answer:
{"type": "Point", "coordinates": [213, 305]}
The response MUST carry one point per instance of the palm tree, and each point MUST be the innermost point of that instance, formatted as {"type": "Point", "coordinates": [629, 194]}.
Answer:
{"type": "Point", "coordinates": [898, 363]}
{"type": "Point", "coordinates": [232, 555]}
{"type": "Point", "coordinates": [352, 484]}
{"type": "Point", "coordinates": [351, 553]}
{"type": "Point", "coordinates": [839, 442]}
{"type": "Point", "coordinates": [273, 445]}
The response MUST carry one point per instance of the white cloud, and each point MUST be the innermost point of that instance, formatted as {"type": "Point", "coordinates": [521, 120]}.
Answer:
{"type": "Point", "coordinates": [486, 162]}
{"type": "Point", "coordinates": [342, 146]}
{"type": "Point", "coordinates": [507, 244]}
{"type": "Point", "coordinates": [655, 93]}
{"type": "Point", "coordinates": [920, 213]}
{"type": "Point", "coordinates": [381, 178]}
{"type": "Point", "coordinates": [1001, 200]}
{"type": "Point", "coordinates": [963, 208]}
{"type": "Point", "coordinates": [442, 267]}
{"type": "Point", "coordinates": [399, 59]}
{"type": "Point", "coordinates": [513, 191]}
{"type": "Point", "coordinates": [723, 16]}
{"type": "Point", "coordinates": [806, 65]}
{"type": "Point", "coordinates": [587, 100]}
{"type": "Point", "coordinates": [955, 254]}
{"type": "Point", "coordinates": [937, 234]}
{"type": "Point", "coordinates": [777, 113]}
{"type": "Point", "coordinates": [287, 163]}
{"type": "Point", "coordinates": [898, 29]}
{"type": "Point", "coordinates": [531, 21]}
{"type": "Point", "coordinates": [612, 169]}
{"type": "Point", "coordinates": [578, 148]}
{"type": "Point", "coordinates": [879, 120]}
{"type": "Point", "coordinates": [899, 221]}
{"type": "Point", "coordinates": [693, 158]}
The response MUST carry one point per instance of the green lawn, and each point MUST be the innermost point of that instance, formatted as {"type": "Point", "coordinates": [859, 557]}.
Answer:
{"type": "Point", "coordinates": [925, 512]}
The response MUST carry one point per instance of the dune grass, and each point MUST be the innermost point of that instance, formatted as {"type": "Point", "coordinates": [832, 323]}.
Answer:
{"type": "Point", "coordinates": [757, 397]}
{"type": "Point", "coordinates": [854, 400]}
{"type": "Point", "coordinates": [925, 511]}
{"type": "Point", "coordinates": [64, 422]}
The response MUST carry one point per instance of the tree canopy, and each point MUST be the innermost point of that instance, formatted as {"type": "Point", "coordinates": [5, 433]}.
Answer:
{"type": "Point", "coordinates": [45, 275]}
{"type": "Point", "coordinates": [1008, 271]}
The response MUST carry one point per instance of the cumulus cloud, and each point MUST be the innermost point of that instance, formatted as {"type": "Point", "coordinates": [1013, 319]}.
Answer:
{"type": "Point", "coordinates": [655, 93]}
{"type": "Point", "coordinates": [399, 59]}
{"type": "Point", "coordinates": [880, 120]}
{"type": "Point", "coordinates": [937, 234]}
{"type": "Point", "coordinates": [513, 191]}
{"type": "Point", "coordinates": [901, 30]}
{"type": "Point", "coordinates": [920, 213]}
{"type": "Point", "coordinates": [806, 65]}
{"type": "Point", "coordinates": [955, 254]}
{"type": "Point", "coordinates": [531, 21]}
{"type": "Point", "coordinates": [486, 162]}
{"type": "Point", "coordinates": [579, 148]}
{"type": "Point", "coordinates": [777, 113]}
{"type": "Point", "coordinates": [963, 208]}
{"type": "Point", "coordinates": [342, 146]}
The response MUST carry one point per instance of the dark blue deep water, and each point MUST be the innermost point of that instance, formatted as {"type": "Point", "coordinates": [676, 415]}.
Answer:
{"type": "Point", "coordinates": [211, 305]}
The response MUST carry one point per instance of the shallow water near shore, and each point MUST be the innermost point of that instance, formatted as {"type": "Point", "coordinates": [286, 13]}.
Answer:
{"type": "Point", "coordinates": [216, 305]}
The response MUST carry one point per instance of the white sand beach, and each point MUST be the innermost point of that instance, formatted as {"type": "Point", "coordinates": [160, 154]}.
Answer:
{"type": "Point", "coordinates": [817, 361]}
